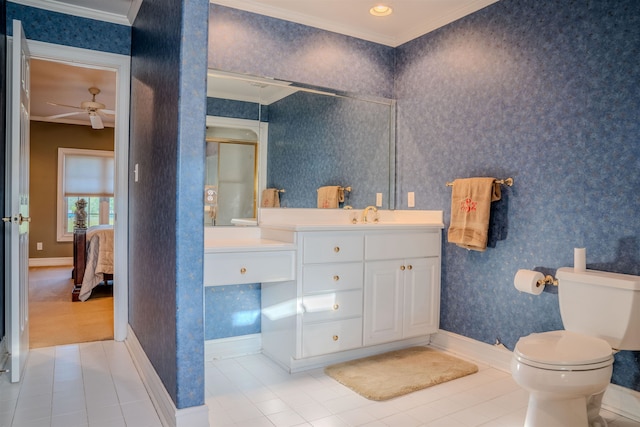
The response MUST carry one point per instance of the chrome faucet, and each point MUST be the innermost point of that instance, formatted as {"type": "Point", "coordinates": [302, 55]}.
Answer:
{"type": "Point", "coordinates": [365, 212]}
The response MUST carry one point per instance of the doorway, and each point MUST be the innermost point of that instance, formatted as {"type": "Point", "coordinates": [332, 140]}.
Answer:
{"type": "Point", "coordinates": [120, 66]}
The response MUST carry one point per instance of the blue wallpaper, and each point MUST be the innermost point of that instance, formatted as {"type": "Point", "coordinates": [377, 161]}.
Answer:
{"type": "Point", "coordinates": [317, 140]}
{"type": "Point", "coordinates": [545, 92]}
{"type": "Point", "coordinates": [245, 42]}
{"type": "Point", "coordinates": [67, 30]}
{"type": "Point", "coordinates": [165, 237]}
{"type": "Point", "coordinates": [231, 311]}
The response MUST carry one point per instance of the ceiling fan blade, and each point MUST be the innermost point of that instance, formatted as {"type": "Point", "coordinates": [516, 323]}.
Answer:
{"type": "Point", "coordinates": [96, 121]}
{"type": "Point", "coordinates": [108, 112]}
{"type": "Point", "coordinates": [59, 116]}
{"type": "Point", "coordinates": [64, 105]}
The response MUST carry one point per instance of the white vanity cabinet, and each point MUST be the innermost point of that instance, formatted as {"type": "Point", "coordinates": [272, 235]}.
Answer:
{"type": "Point", "coordinates": [402, 286]}
{"type": "Point", "coordinates": [358, 291]}
{"type": "Point", "coordinates": [331, 303]}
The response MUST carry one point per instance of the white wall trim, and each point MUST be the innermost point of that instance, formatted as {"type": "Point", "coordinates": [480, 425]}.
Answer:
{"type": "Point", "coordinates": [51, 262]}
{"type": "Point", "coordinates": [170, 416]}
{"type": "Point", "coordinates": [225, 348]}
{"type": "Point", "coordinates": [121, 64]}
{"type": "Point", "coordinates": [83, 12]}
{"type": "Point", "coordinates": [619, 400]}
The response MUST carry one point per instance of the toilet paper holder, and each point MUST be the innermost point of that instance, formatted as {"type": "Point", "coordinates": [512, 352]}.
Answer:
{"type": "Point", "coordinates": [547, 280]}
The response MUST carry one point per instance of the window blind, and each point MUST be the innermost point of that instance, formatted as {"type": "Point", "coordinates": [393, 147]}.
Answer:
{"type": "Point", "coordinates": [88, 175]}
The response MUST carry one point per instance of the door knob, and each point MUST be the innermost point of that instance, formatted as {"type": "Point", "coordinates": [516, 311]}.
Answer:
{"type": "Point", "coordinates": [22, 219]}
{"type": "Point", "coordinates": [6, 219]}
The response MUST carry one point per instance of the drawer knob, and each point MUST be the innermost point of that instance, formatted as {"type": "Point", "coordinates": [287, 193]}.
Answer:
{"type": "Point", "coordinates": [335, 338]}
{"type": "Point", "coordinates": [336, 249]}
{"type": "Point", "coordinates": [336, 306]}
{"type": "Point", "coordinates": [410, 267]}
{"type": "Point", "coordinates": [402, 267]}
{"type": "Point", "coordinates": [336, 278]}
{"type": "Point", "coordinates": [243, 270]}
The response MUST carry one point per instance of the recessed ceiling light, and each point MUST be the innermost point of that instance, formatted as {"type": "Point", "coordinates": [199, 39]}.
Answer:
{"type": "Point", "coordinates": [380, 10]}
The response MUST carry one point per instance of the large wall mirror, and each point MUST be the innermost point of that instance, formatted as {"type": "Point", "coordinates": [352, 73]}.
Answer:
{"type": "Point", "coordinates": [305, 138]}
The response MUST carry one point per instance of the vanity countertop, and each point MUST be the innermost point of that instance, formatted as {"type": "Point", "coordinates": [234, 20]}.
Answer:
{"type": "Point", "coordinates": [351, 227]}
{"type": "Point", "coordinates": [246, 245]}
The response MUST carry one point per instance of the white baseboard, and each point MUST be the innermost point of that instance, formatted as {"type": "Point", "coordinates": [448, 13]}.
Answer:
{"type": "Point", "coordinates": [225, 348]}
{"type": "Point", "coordinates": [619, 400]}
{"type": "Point", "coordinates": [51, 262]}
{"type": "Point", "coordinates": [170, 416]}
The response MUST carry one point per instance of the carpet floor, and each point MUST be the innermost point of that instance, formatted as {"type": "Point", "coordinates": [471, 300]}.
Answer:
{"type": "Point", "coordinates": [55, 320]}
{"type": "Point", "coordinates": [400, 372]}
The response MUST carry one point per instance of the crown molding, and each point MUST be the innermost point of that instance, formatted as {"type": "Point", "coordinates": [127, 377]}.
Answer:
{"type": "Point", "coordinates": [84, 12]}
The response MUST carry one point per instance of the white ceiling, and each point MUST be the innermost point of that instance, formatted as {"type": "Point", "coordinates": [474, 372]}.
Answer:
{"type": "Point", "coordinates": [66, 84]}
{"type": "Point", "coordinates": [410, 18]}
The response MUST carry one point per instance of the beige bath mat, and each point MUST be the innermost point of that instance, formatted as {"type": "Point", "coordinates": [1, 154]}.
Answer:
{"type": "Point", "coordinates": [400, 372]}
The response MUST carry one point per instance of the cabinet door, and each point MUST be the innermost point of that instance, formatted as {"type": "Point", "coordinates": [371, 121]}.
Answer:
{"type": "Point", "coordinates": [421, 296]}
{"type": "Point", "coordinates": [383, 301]}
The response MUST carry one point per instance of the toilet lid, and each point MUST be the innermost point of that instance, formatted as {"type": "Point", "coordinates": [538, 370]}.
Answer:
{"type": "Point", "coordinates": [563, 349]}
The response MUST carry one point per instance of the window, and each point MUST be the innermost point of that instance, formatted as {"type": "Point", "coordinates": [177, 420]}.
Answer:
{"type": "Point", "coordinates": [89, 175]}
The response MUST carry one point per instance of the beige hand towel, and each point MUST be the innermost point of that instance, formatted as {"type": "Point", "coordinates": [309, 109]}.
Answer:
{"type": "Point", "coordinates": [270, 198]}
{"type": "Point", "coordinates": [470, 206]}
{"type": "Point", "coordinates": [329, 197]}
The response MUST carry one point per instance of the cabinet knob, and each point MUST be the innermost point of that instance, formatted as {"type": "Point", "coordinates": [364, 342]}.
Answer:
{"type": "Point", "coordinates": [409, 267]}
{"type": "Point", "coordinates": [243, 270]}
{"type": "Point", "coordinates": [335, 338]}
{"type": "Point", "coordinates": [336, 278]}
{"type": "Point", "coordinates": [402, 267]}
{"type": "Point", "coordinates": [336, 249]}
{"type": "Point", "coordinates": [336, 306]}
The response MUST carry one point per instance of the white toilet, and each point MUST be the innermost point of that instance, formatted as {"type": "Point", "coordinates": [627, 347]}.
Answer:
{"type": "Point", "coordinates": [567, 372]}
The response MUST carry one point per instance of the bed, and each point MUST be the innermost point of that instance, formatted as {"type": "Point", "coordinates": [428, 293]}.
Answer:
{"type": "Point", "coordinates": [92, 260]}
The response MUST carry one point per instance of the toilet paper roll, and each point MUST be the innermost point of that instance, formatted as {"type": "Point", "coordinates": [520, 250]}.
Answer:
{"type": "Point", "coordinates": [579, 259]}
{"type": "Point", "coordinates": [527, 281]}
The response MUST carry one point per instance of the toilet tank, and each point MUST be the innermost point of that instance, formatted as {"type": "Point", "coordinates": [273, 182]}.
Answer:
{"type": "Point", "coordinates": [601, 304]}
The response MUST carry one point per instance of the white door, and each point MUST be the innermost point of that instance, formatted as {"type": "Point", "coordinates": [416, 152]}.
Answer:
{"type": "Point", "coordinates": [17, 219]}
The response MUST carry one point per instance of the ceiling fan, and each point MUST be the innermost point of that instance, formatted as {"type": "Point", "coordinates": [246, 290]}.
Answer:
{"type": "Point", "coordinates": [93, 108]}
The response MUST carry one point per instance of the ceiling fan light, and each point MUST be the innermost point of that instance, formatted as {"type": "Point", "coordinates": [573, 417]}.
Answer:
{"type": "Point", "coordinates": [96, 121]}
{"type": "Point", "coordinates": [380, 10]}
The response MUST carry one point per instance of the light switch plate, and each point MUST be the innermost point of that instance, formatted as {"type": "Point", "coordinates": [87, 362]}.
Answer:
{"type": "Point", "coordinates": [411, 201]}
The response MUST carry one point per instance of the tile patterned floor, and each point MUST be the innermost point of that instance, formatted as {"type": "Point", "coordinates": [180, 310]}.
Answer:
{"type": "Point", "coordinates": [96, 385]}
{"type": "Point", "coordinates": [90, 384]}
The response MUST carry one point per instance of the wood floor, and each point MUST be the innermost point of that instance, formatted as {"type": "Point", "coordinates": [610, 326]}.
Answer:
{"type": "Point", "coordinates": [55, 320]}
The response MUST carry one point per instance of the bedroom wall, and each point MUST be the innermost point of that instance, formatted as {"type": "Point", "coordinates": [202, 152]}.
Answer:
{"type": "Point", "coordinates": [166, 216]}
{"type": "Point", "coordinates": [546, 92]}
{"type": "Point", "coordinates": [43, 176]}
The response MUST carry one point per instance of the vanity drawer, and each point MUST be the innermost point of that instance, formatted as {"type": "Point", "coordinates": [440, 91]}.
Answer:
{"type": "Point", "coordinates": [248, 267]}
{"type": "Point", "coordinates": [330, 337]}
{"type": "Point", "coordinates": [402, 245]}
{"type": "Point", "coordinates": [330, 277]}
{"type": "Point", "coordinates": [332, 306]}
{"type": "Point", "coordinates": [333, 248]}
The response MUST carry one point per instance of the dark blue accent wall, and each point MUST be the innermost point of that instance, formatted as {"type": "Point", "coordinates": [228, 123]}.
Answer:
{"type": "Point", "coordinates": [58, 28]}
{"type": "Point", "coordinates": [546, 92]}
{"type": "Point", "coordinates": [168, 111]}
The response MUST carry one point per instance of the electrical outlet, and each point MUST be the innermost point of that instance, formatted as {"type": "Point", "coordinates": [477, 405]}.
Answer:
{"type": "Point", "coordinates": [379, 200]}
{"type": "Point", "coordinates": [411, 201]}
{"type": "Point", "coordinates": [39, 246]}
